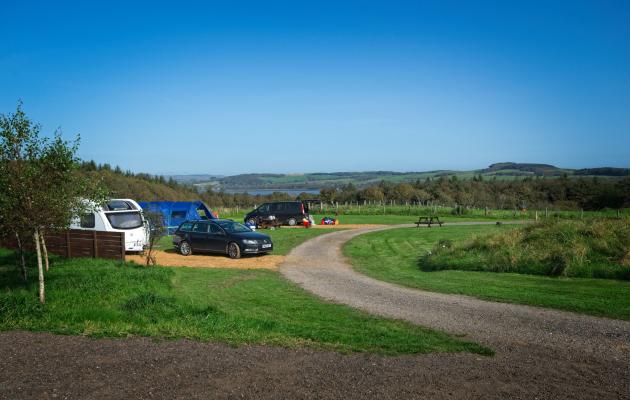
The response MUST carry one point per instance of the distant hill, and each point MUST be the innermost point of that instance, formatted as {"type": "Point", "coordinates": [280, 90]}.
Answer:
{"type": "Point", "coordinates": [517, 168]}
{"type": "Point", "coordinates": [321, 180]}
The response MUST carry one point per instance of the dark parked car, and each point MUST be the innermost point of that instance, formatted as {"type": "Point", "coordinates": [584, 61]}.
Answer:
{"type": "Point", "coordinates": [220, 236]}
{"type": "Point", "coordinates": [286, 212]}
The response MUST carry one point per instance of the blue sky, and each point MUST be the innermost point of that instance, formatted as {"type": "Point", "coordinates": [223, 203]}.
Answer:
{"type": "Point", "coordinates": [237, 87]}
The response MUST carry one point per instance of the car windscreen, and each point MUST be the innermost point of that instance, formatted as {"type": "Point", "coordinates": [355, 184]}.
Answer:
{"type": "Point", "coordinates": [125, 220]}
{"type": "Point", "coordinates": [233, 227]}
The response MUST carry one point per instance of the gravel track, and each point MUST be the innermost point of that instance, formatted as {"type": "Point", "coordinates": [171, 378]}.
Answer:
{"type": "Point", "coordinates": [556, 340]}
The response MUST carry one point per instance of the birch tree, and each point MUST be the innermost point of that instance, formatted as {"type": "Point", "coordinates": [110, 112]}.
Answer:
{"type": "Point", "coordinates": [41, 189]}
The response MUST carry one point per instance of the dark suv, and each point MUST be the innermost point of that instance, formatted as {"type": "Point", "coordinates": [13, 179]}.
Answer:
{"type": "Point", "coordinates": [286, 212]}
{"type": "Point", "coordinates": [220, 236]}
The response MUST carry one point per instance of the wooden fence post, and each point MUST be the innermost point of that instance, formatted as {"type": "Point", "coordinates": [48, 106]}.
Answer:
{"type": "Point", "coordinates": [95, 244]}
{"type": "Point", "coordinates": [68, 251]}
{"type": "Point", "coordinates": [122, 245]}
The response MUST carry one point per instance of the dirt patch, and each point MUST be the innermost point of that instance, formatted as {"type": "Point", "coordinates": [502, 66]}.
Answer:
{"type": "Point", "coordinates": [172, 259]}
{"type": "Point", "coordinates": [46, 366]}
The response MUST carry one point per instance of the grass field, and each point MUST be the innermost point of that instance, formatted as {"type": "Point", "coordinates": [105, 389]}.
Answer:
{"type": "Point", "coordinates": [386, 219]}
{"type": "Point", "coordinates": [101, 298]}
{"type": "Point", "coordinates": [394, 256]}
{"type": "Point", "coordinates": [391, 215]}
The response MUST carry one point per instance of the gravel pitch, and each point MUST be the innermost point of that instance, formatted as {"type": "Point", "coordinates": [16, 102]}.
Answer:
{"type": "Point", "coordinates": [173, 259]}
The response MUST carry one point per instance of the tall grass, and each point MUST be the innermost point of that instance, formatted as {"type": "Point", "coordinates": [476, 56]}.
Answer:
{"type": "Point", "coordinates": [592, 248]}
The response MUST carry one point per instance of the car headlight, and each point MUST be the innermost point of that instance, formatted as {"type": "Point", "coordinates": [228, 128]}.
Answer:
{"type": "Point", "coordinates": [249, 241]}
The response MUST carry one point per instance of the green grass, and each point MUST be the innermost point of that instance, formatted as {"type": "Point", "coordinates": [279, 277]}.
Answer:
{"type": "Point", "coordinates": [353, 214]}
{"type": "Point", "coordinates": [394, 256]}
{"type": "Point", "coordinates": [598, 248]}
{"type": "Point", "coordinates": [284, 239]}
{"type": "Point", "coordinates": [385, 219]}
{"type": "Point", "coordinates": [102, 298]}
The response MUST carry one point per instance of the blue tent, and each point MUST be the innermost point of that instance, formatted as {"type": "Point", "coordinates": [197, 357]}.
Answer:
{"type": "Point", "coordinates": [176, 212]}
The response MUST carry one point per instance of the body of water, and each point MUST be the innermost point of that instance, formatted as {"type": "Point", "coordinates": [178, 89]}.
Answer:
{"type": "Point", "coordinates": [263, 192]}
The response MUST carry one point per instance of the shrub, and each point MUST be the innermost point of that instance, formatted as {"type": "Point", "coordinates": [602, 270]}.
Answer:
{"type": "Point", "coordinates": [596, 248]}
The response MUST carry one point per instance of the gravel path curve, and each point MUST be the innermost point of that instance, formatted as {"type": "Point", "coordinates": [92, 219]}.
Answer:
{"type": "Point", "coordinates": [556, 340]}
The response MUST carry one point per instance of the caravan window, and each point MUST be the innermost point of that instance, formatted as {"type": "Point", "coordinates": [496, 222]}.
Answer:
{"type": "Point", "coordinates": [88, 221]}
{"type": "Point", "coordinates": [125, 220]}
{"type": "Point", "coordinates": [118, 205]}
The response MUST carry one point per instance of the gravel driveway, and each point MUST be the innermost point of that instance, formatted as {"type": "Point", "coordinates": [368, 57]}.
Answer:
{"type": "Point", "coordinates": [591, 352]}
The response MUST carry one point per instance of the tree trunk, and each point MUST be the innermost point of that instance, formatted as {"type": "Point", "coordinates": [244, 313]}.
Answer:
{"type": "Point", "coordinates": [40, 268]}
{"type": "Point", "coordinates": [21, 255]}
{"type": "Point", "coordinates": [41, 236]}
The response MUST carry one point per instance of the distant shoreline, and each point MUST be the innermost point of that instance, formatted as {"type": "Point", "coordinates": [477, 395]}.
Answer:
{"type": "Point", "coordinates": [263, 192]}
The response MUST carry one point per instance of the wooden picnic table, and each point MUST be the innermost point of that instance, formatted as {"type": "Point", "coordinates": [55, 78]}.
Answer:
{"type": "Point", "coordinates": [428, 220]}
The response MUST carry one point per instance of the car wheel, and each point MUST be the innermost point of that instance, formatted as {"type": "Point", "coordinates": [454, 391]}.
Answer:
{"type": "Point", "coordinates": [185, 249]}
{"type": "Point", "coordinates": [233, 250]}
{"type": "Point", "coordinates": [292, 222]}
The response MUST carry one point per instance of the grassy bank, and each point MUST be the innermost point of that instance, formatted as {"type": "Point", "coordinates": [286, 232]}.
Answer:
{"type": "Point", "coordinates": [584, 249]}
{"type": "Point", "coordinates": [394, 256]}
{"type": "Point", "coordinates": [101, 298]}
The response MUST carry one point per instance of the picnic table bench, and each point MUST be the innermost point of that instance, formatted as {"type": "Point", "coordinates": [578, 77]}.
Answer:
{"type": "Point", "coordinates": [428, 221]}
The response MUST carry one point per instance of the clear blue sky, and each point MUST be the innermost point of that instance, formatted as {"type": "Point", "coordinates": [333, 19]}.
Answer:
{"type": "Point", "coordinates": [235, 87]}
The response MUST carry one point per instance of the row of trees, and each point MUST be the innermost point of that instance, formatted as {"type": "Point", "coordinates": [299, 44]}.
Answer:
{"type": "Point", "coordinates": [40, 187]}
{"type": "Point", "coordinates": [564, 193]}
{"type": "Point", "coordinates": [559, 193]}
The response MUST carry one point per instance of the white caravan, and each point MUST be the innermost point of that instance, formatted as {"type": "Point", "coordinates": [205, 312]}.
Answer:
{"type": "Point", "coordinates": [118, 215]}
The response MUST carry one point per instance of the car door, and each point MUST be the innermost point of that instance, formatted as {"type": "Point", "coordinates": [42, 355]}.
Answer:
{"type": "Point", "coordinates": [293, 210]}
{"type": "Point", "coordinates": [277, 210]}
{"type": "Point", "coordinates": [199, 236]}
{"type": "Point", "coordinates": [286, 211]}
{"type": "Point", "coordinates": [217, 238]}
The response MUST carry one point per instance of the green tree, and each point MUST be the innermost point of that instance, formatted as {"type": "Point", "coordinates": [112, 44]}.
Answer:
{"type": "Point", "coordinates": [42, 188]}
{"type": "Point", "coordinates": [156, 230]}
